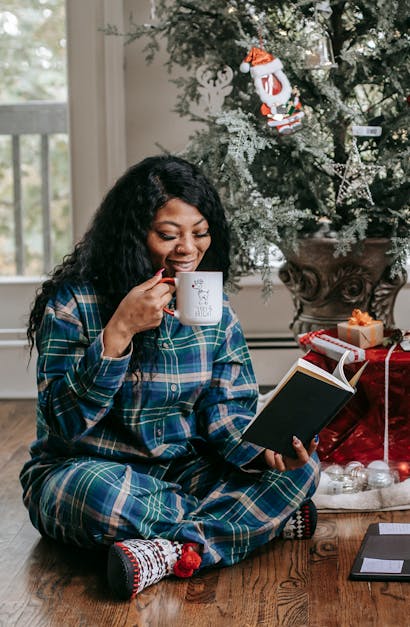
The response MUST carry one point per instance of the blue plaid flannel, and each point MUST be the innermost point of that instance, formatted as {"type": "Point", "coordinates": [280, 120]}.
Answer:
{"type": "Point", "coordinates": [181, 423]}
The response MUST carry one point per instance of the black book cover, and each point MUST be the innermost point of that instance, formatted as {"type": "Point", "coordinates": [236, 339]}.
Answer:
{"type": "Point", "coordinates": [302, 407]}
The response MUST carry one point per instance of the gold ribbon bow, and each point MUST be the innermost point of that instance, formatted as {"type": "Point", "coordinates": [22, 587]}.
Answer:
{"type": "Point", "coordinates": [360, 318]}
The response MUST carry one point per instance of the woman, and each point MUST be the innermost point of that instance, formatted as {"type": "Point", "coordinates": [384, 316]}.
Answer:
{"type": "Point", "coordinates": [139, 418]}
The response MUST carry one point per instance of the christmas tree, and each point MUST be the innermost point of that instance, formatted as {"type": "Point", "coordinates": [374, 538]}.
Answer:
{"type": "Point", "coordinates": [288, 165]}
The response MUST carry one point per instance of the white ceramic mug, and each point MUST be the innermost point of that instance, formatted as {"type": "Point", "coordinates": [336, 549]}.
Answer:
{"type": "Point", "coordinates": [199, 297]}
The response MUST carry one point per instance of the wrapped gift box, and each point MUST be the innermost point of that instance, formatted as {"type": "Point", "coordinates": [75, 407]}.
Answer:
{"type": "Point", "coordinates": [331, 346]}
{"type": "Point", "coordinates": [358, 431]}
{"type": "Point", "coordinates": [363, 336]}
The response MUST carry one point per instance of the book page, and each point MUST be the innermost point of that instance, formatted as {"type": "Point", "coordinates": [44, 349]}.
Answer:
{"type": "Point", "coordinates": [358, 374]}
{"type": "Point", "coordinates": [338, 372]}
{"type": "Point", "coordinates": [336, 378]}
{"type": "Point", "coordinates": [310, 369]}
{"type": "Point", "coordinates": [372, 565]}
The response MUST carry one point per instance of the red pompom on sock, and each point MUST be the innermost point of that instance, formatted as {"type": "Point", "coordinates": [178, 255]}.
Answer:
{"type": "Point", "coordinates": [188, 562]}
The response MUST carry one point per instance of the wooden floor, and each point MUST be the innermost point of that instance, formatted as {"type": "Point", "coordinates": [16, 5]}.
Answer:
{"type": "Point", "coordinates": [286, 583]}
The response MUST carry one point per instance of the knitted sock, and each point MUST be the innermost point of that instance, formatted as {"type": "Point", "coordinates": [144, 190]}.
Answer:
{"type": "Point", "coordinates": [136, 564]}
{"type": "Point", "coordinates": [302, 524]}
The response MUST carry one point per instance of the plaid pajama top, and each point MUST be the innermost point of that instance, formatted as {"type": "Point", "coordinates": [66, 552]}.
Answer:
{"type": "Point", "coordinates": [201, 389]}
{"type": "Point", "coordinates": [199, 397]}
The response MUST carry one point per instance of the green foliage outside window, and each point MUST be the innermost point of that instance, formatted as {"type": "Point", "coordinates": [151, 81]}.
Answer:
{"type": "Point", "coordinates": [33, 67]}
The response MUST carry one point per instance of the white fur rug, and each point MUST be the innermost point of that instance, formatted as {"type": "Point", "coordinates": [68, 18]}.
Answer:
{"type": "Point", "coordinates": [394, 497]}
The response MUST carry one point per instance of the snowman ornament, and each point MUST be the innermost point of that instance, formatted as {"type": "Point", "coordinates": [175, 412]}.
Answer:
{"type": "Point", "coordinates": [280, 104]}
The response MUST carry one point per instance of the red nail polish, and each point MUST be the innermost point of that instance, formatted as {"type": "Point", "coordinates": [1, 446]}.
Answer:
{"type": "Point", "coordinates": [159, 272]}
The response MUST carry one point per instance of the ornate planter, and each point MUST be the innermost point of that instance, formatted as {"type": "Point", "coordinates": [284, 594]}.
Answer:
{"type": "Point", "coordinates": [326, 288]}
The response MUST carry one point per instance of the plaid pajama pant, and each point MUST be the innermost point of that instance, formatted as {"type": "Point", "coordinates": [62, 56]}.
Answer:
{"type": "Point", "coordinates": [93, 503]}
{"type": "Point", "coordinates": [115, 460]}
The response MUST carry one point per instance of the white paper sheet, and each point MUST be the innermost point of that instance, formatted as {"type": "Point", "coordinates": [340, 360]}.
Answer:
{"type": "Point", "coordinates": [371, 565]}
{"type": "Point", "coordinates": [394, 528]}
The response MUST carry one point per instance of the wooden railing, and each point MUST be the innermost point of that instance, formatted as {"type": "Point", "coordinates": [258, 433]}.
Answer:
{"type": "Point", "coordinates": [41, 118]}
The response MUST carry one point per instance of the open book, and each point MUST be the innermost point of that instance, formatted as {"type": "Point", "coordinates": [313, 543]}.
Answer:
{"type": "Point", "coordinates": [304, 401]}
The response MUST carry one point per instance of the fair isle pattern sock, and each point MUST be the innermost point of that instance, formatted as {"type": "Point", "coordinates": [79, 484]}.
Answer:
{"type": "Point", "coordinates": [135, 564]}
{"type": "Point", "coordinates": [302, 524]}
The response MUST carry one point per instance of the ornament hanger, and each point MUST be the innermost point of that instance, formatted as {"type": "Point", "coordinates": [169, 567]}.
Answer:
{"type": "Point", "coordinates": [320, 54]}
{"type": "Point", "coordinates": [324, 8]}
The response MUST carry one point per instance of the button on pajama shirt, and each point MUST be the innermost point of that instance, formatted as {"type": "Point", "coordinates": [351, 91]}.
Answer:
{"type": "Point", "coordinates": [119, 456]}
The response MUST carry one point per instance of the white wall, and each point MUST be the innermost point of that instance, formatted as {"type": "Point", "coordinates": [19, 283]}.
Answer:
{"type": "Point", "coordinates": [150, 97]}
{"type": "Point", "coordinates": [17, 372]}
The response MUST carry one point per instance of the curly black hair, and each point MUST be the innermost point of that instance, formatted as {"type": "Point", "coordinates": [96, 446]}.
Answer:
{"type": "Point", "coordinates": [113, 255]}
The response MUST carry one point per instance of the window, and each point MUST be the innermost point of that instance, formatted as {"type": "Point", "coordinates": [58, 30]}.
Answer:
{"type": "Point", "coordinates": [35, 214]}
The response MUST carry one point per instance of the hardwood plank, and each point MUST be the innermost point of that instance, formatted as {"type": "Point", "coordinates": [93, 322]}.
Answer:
{"type": "Point", "coordinates": [323, 563]}
{"type": "Point", "coordinates": [44, 584]}
{"type": "Point", "coordinates": [368, 595]}
{"type": "Point", "coordinates": [17, 420]}
{"type": "Point", "coordinates": [291, 561]}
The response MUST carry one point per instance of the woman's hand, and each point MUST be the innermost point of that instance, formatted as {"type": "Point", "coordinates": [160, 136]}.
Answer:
{"type": "Point", "coordinates": [282, 462]}
{"type": "Point", "coordinates": [141, 309]}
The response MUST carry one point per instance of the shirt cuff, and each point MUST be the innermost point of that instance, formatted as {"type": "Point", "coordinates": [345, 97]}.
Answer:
{"type": "Point", "coordinates": [243, 454]}
{"type": "Point", "coordinates": [128, 354]}
{"type": "Point", "coordinates": [99, 378]}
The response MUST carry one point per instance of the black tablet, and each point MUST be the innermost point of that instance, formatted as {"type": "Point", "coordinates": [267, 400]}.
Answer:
{"type": "Point", "coordinates": [384, 554]}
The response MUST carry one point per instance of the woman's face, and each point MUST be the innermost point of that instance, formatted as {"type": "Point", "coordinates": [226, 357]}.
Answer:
{"type": "Point", "coordinates": [178, 238]}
